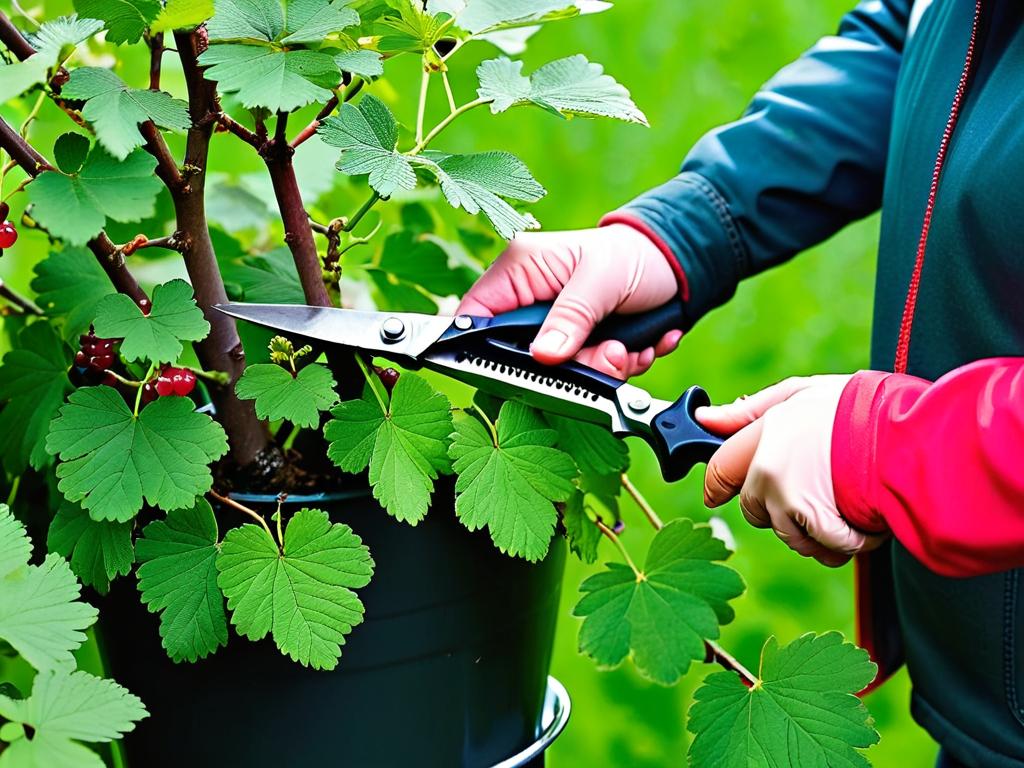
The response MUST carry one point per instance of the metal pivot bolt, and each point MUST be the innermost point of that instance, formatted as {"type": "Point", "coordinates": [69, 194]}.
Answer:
{"type": "Point", "coordinates": [463, 322]}
{"type": "Point", "coordinates": [640, 403]}
{"type": "Point", "coordinates": [392, 329]}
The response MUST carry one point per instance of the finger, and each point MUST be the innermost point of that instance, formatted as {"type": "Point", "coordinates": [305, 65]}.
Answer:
{"type": "Point", "coordinates": [832, 559]}
{"type": "Point", "coordinates": [583, 303]}
{"type": "Point", "coordinates": [753, 509]}
{"type": "Point", "coordinates": [728, 468]}
{"type": "Point", "coordinates": [521, 275]}
{"type": "Point", "coordinates": [727, 419]}
{"type": "Point", "coordinates": [797, 539]}
{"type": "Point", "coordinates": [668, 343]}
{"type": "Point", "coordinates": [643, 362]}
{"type": "Point", "coordinates": [609, 357]}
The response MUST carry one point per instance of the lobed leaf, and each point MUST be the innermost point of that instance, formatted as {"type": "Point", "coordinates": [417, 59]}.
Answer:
{"type": "Point", "coordinates": [124, 20]}
{"type": "Point", "coordinates": [62, 711]}
{"type": "Point", "coordinates": [802, 709]}
{"type": "Point", "coordinates": [182, 14]}
{"type": "Point", "coordinates": [70, 284]}
{"type": "Point", "coordinates": [99, 551]}
{"type": "Point", "coordinates": [404, 443]}
{"type": "Point", "coordinates": [275, 80]}
{"type": "Point", "coordinates": [178, 580]}
{"type": "Point", "coordinates": [40, 614]}
{"type": "Point", "coordinates": [33, 382]}
{"type": "Point", "coordinates": [509, 484]}
{"type": "Point", "coordinates": [662, 615]}
{"type": "Point", "coordinates": [112, 460]}
{"type": "Point", "coordinates": [49, 40]}
{"type": "Point", "coordinates": [569, 86]}
{"type": "Point", "coordinates": [75, 207]}
{"type": "Point", "coordinates": [301, 594]}
{"type": "Point", "coordinates": [477, 182]}
{"type": "Point", "coordinates": [172, 319]}
{"type": "Point", "coordinates": [280, 394]}
{"type": "Point", "coordinates": [367, 136]}
{"type": "Point", "coordinates": [115, 110]}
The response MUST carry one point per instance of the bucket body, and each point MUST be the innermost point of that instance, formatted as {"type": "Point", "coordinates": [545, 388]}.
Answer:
{"type": "Point", "coordinates": [448, 669]}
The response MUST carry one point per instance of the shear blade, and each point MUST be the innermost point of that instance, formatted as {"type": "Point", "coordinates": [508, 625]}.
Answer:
{"type": "Point", "coordinates": [404, 334]}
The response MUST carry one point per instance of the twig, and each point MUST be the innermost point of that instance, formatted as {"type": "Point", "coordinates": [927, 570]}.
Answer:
{"type": "Point", "coordinates": [363, 210]}
{"type": "Point", "coordinates": [239, 130]}
{"type": "Point", "coordinates": [422, 107]}
{"type": "Point", "coordinates": [156, 53]}
{"type": "Point", "coordinates": [12, 297]}
{"type": "Point", "coordinates": [610, 535]}
{"type": "Point", "coordinates": [448, 91]}
{"type": "Point", "coordinates": [307, 132]}
{"type": "Point", "coordinates": [421, 144]}
{"type": "Point", "coordinates": [11, 37]}
{"type": "Point", "coordinates": [641, 502]}
{"type": "Point", "coordinates": [724, 659]}
{"type": "Point", "coordinates": [244, 509]}
{"type": "Point", "coordinates": [166, 167]}
{"type": "Point", "coordinates": [281, 128]}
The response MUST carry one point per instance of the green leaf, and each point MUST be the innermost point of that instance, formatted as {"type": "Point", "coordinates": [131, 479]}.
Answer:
{"type": "Point", "coordinates": [40, 615]}
{"type": "Point", "coordinates": [580, 530]}
{"type": "Point", "coordinates": [98, 551]}
{"type": "Point", "coordinates": [115, 110]}
{"type": "Point", "coordinates": [486, 15]}
{"type": "Point", "coordinates": [421, 261]}
{"type": "Point", "coordinates": [301, 594]}
{"type": "Point", "coordinates": [313, 21]}
{"type": "Point", "coordinates": [360, 62]}
{"type": "Point", "coordinates": [278, 394]}
{"type": "Point", "coordinates": [75, 207]}
{"type": "Point", "coordinates": [595, 450]}
{"type": "Point", "coordinates": [63, 710]}
{"type": "Point", "coordinates": [70, 284]}
{"type": "Point", "coordinates": [662, 615]}
{"type": "Point", "coordinates": [261, 76]}
{"type": "Point", "coordinates": [51, 43]}
{"type": "Point", "coordinates": [178, 579]}
{"type": "Point", "coordinates": [803, 707]}
{"type": "Point", "coordinates": [113, 460]}
{"type": "Point", "coordinates": [125, 20]}
{"type": "Point", "coordinates": [70, 151]}
{"type": "Point", "coordinates": [367, 136]}
{"type": "Point", "coordinates": [477, 183]}
{"type": "Point", "coordinates": [412, 31]}
{"type": "Point", "coordinates": [182, 14]}
{"type": "Point", "coordinates": [510, 482]}
{"type": "Point", "coordinates": [256, 20]}
{"type": "Point", "coordinates": [267, 278]}
{"type": "Point", "coordinates": [570, 86]}
{"type": "Point", "coordinates": [172, 319]}
{"type": "Point", "coordinates": [33, 382]}
{"type": "Point", "coordinates": [405, 445]}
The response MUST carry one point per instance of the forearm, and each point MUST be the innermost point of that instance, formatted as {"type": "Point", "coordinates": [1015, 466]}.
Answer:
{"type": "Point", "coordinates": [939, 464]}
{"type": "Point", "coordinates": [807, 157]}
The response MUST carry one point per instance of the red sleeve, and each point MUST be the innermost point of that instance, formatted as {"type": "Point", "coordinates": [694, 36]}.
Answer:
{"type": "Point", "coordinates": [940, 464]}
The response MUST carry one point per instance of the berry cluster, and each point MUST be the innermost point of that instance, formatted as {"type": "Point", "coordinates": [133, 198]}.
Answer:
{"type": "Point", "coordinates": [94, 354]}
{"type": "Point", "coordinates": [170, 381]}
{"type": "Point", "coordinates": [8, 232]}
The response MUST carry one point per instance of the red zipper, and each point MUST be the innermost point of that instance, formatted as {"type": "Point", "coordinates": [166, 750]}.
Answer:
{"type": "Point", "coordinates": [906, 324]}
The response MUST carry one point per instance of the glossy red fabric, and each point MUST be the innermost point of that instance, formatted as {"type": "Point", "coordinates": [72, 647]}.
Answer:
{"type": "Point", "coordinates": [939, 464]}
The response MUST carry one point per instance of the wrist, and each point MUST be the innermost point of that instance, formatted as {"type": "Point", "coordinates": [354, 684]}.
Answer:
{"type": "Point", "coordinates": [652, 241]}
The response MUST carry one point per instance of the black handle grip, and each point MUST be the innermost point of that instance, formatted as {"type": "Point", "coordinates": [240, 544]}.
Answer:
{"type": "Point", "coordinates": [679, 441]}
{"type": "Point", "coordinates": [635, 331]}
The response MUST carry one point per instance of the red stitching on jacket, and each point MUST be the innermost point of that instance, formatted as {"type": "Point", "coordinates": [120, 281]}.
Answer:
{"type": "Point", "coordinates": [906, 324]}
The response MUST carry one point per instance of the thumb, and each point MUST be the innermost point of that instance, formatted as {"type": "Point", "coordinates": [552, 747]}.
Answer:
{"type": "Point", "coordinates": [727, 470]}
{"type": "Point", "coordinates": [727, 419]}
{"type": "Point", "coordinates": [586, 299]}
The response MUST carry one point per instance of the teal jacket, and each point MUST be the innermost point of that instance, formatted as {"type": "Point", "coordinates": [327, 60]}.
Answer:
{"type": "Point", "coordinates": [855, 125]}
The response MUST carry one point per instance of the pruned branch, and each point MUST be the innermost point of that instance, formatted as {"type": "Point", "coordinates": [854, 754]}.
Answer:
{"type": "Point", "coordinates": [226, 123]}
{"type": "Point", "coordinates": [11, 37]}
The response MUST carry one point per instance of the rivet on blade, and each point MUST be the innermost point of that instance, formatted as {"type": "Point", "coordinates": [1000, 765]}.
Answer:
{"type": "Point", "coordinates": [640, 404]}
{"type": "Point", "coordinates": [392, 329]}
{"type": "Point", "coordinates": [463, 322]}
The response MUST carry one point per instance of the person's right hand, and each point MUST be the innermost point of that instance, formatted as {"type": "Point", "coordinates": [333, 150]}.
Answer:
{"type": "Point", "coordinates": [589, 273]}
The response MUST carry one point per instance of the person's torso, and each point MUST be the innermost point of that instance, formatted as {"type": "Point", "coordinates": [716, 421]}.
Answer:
{"type": "Point", "coordinates": [963, 638]}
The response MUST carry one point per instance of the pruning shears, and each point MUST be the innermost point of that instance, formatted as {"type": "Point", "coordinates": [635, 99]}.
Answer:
{"type": "Point", "coordinates": [492, 354]}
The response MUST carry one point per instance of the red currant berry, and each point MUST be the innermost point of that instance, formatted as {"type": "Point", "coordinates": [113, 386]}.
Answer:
{"type": "Point", "coordinates": [81, 359]}
{"type": "Point", "coordinates": [388, 377]}
{"type": "Point", "coordinates": [164, 386]}
{"type": "Point", "coordinates": [4, 210]}
{"type": "Point", "coordinates": [149, 392]}
{"type": "Point", "coordinates": [184, 382]}
{"type": "Point", "coordinates": [102, 361]}
{"type": "Point", "coordinates": [8, 235]}
{"type": "Point", "coordinates": [145, 305]}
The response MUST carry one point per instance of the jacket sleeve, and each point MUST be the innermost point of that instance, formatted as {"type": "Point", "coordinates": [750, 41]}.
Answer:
{"type": "Point", "coordinates": [940, 464]}
{"type": "Point", "coordinates": [806, 158]}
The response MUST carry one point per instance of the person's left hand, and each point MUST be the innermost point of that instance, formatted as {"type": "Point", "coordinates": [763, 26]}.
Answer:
{"type": "Point", "coordinates": [778, 459]}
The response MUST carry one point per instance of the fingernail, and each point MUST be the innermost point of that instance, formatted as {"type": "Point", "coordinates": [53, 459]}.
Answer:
{"type": "Point", "coordinates": [705, 412]}
{"type": "Point", "coordinates": [674, 338]}
{"type": "Point", "coordinates": [550, 343]}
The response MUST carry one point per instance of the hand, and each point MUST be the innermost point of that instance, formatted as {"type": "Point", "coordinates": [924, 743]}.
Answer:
{"type": "Point", "coordinates": [589, 273]}
{"type": "Point", "coordinates": [779, 461]}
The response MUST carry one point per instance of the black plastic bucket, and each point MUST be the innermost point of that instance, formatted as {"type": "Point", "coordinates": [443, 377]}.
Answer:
{"type": "Point", "coordinates": [448, 670]}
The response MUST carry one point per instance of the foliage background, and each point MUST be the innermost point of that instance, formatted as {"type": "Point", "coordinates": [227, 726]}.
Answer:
{"type": "Point", "coordinates": [689, 66]}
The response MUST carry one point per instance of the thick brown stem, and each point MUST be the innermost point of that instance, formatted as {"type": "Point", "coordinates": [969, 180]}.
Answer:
{"type": "Point", "coordinates": [20, 151]}
{"type": "Point", "coordinates": [222, 349]}
{"type": "Point", "coordinates": [298, 234]}
{"type": "Point", "coordinates": [166, 168]}
{"type": "Point", "coordinates": [156, 54]}
{"type": "Point", "coordinates": [11, 37]}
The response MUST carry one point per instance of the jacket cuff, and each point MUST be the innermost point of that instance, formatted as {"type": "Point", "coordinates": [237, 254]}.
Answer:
{"type": "Point", "coordinates": [690, 220]}
{"type": "Point", "coordinates": [622, 217]}
{"type": "Point", "coordinates": [853, 450]}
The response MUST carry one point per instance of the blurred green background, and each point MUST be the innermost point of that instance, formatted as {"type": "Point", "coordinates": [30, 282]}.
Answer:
{"type": "Point", "coordinates": [690, 66]}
